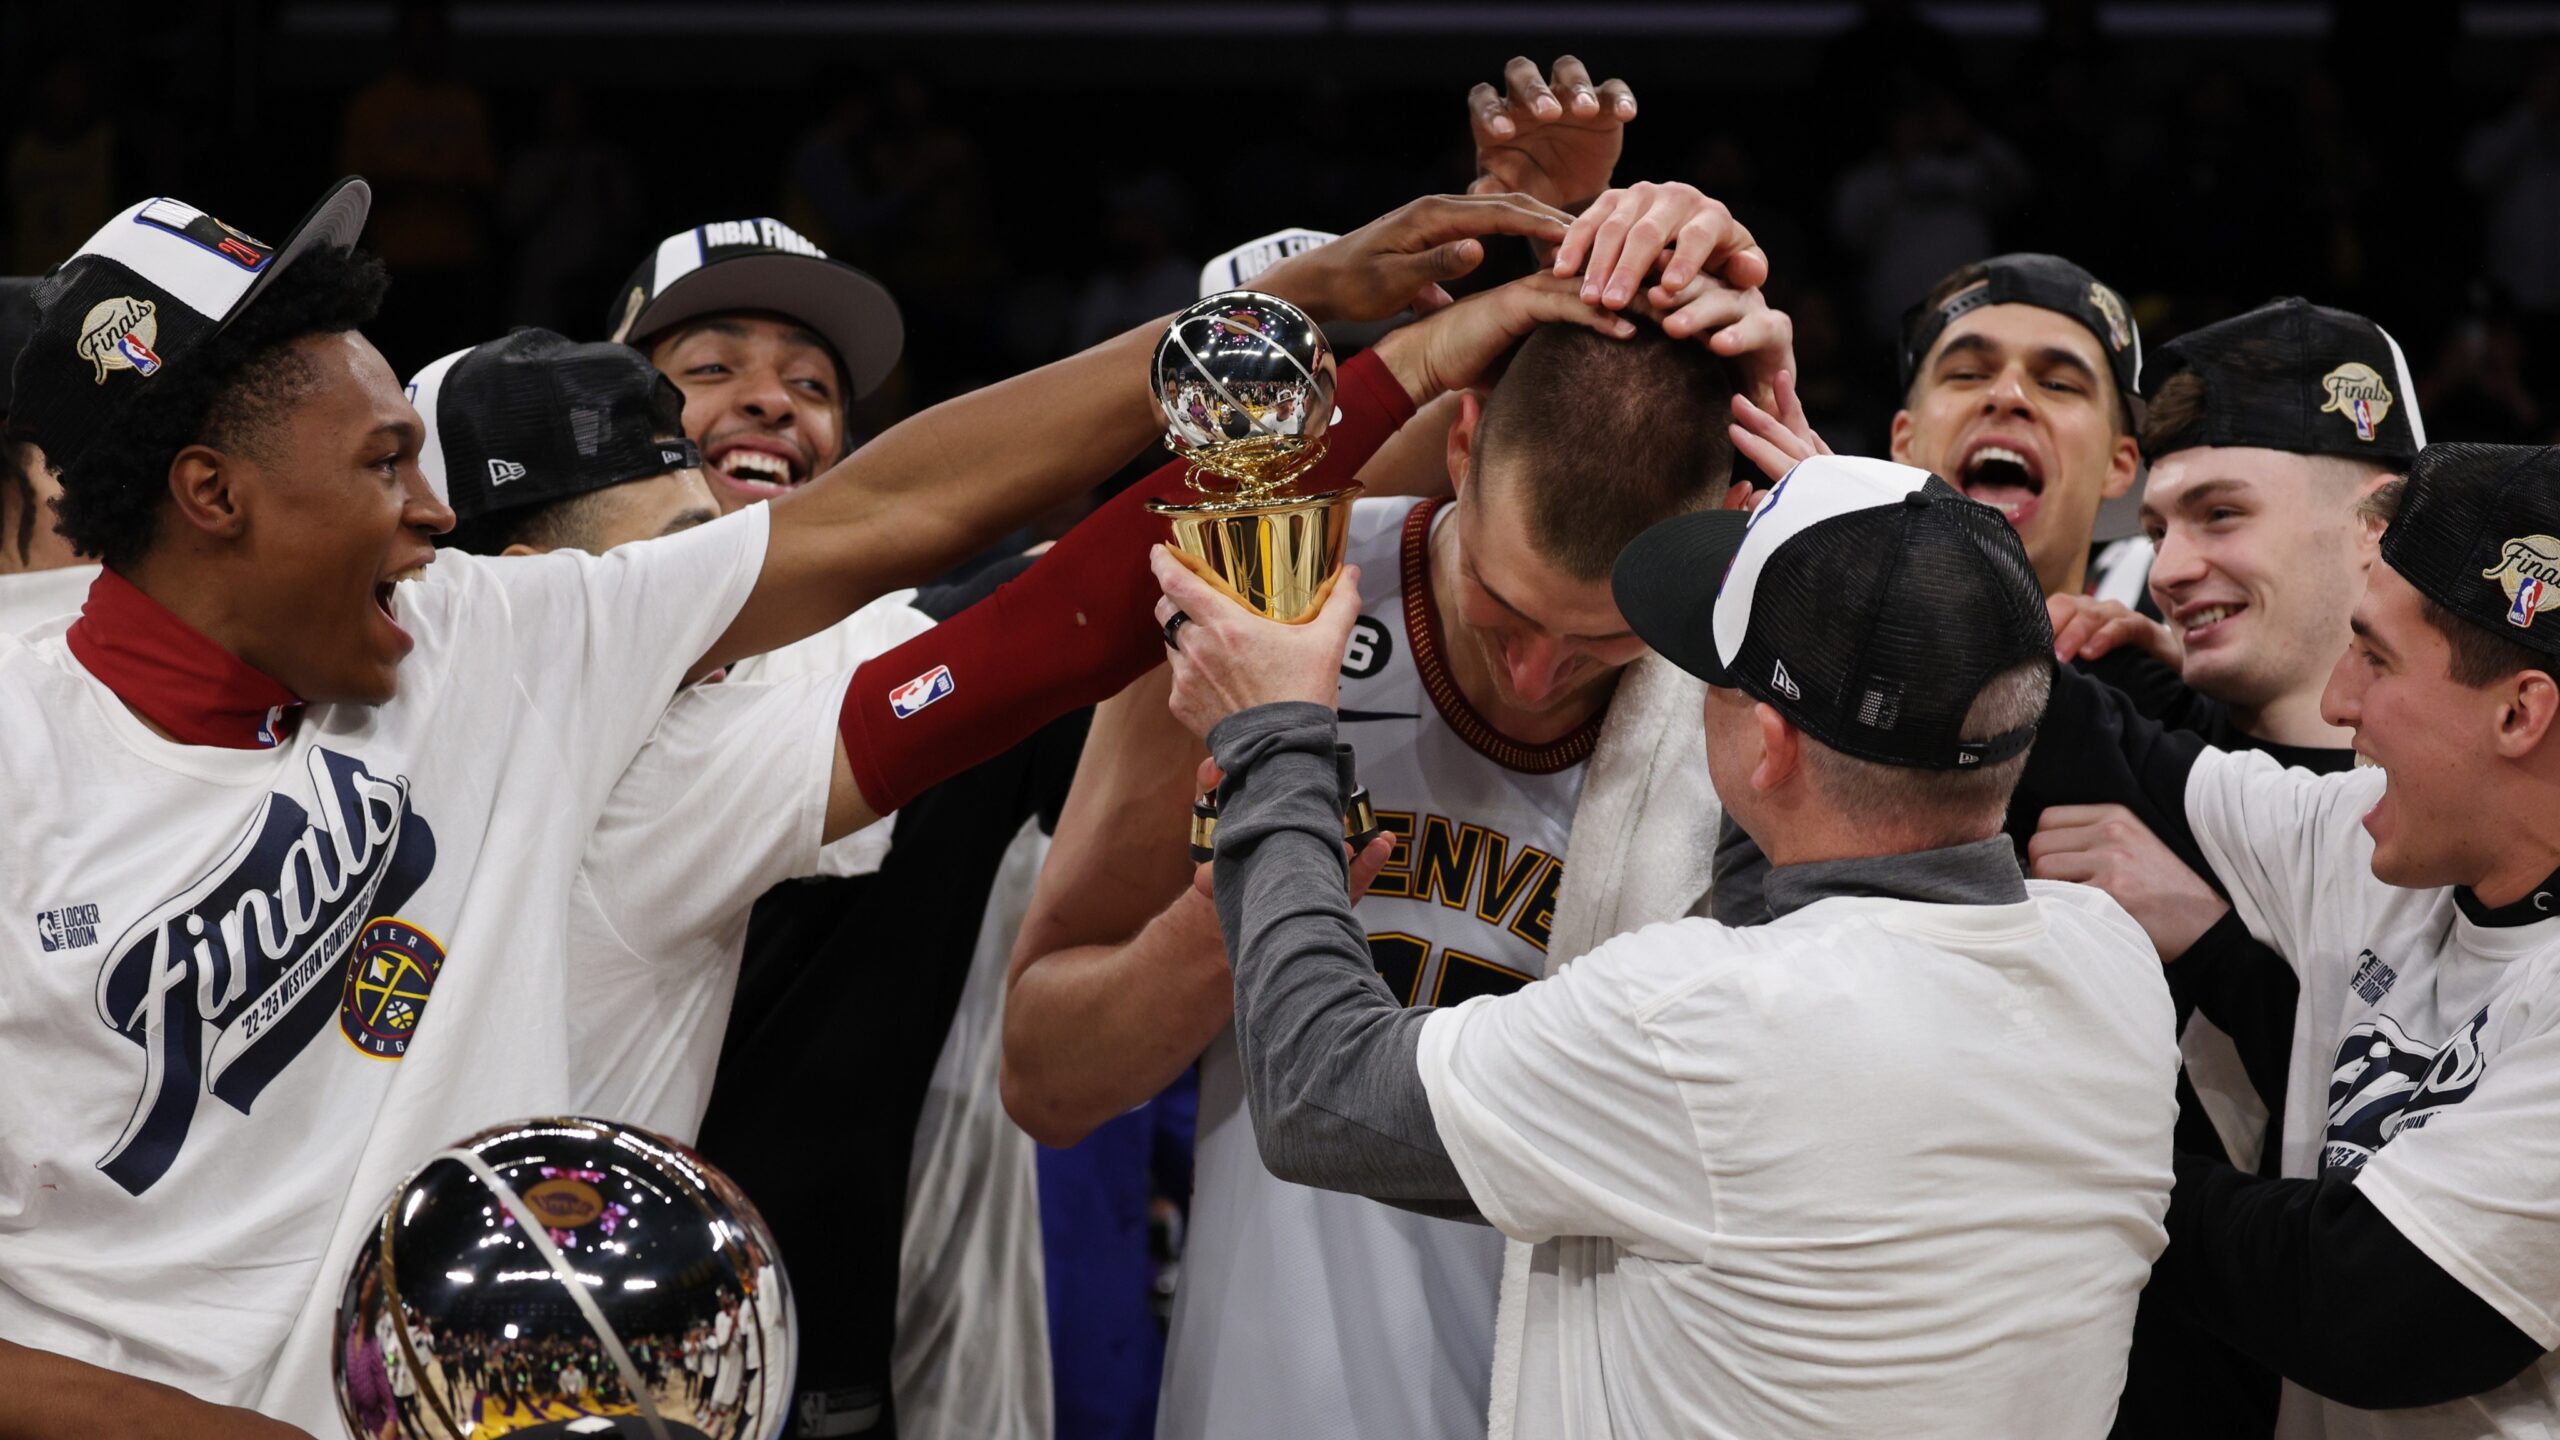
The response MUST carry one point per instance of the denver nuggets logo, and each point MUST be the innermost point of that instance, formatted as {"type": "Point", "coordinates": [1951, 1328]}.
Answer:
{"type": "Point", "coordinates": [396, 965]}
{"type": "Point", "coordinates": [2358, 393]}
{"type": "Point", "coordinates": [2528, 569]}
{"type": "Point", "coordinates": [118, 335]}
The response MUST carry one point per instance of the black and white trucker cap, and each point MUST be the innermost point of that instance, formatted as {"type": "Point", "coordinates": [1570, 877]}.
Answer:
{"type": "Point", "coordinates": [145, 293]}
{"type": "Point", "coordinates": [763, 264]}
{"type": "Point", "coordinates": [537, 417]}
{"type": "Point", "coordinates": [1867, 602]}
{"type": "Point", "coordinates": [2298, 377]}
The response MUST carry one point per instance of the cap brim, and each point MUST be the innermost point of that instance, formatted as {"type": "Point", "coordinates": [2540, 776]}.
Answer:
{"type": "Point", "coordinates": [334, 223]}
{"type": "Point", "coordinates": [1666, 582]}
{"type": "Point", "coordinates": [850, 311]}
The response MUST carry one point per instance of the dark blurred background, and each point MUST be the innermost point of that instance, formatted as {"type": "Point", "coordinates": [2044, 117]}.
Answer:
{"type": "Point", "coordinates": [1031, 177]}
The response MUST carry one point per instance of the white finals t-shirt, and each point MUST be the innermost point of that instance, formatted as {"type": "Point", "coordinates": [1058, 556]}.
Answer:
{"type": "Point", "coordinates": [260, 985]}
{"type": "Point", "coordinates": [2426, 1062]}
{"type": "Point", "coordinates": [1873, 1168]}
{"type": "Point", "coordinates": [727, 800]}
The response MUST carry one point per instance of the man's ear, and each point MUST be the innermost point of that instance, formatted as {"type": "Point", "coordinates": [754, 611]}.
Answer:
{"type": "Point", "coordinates": [205, 483]}
{"type": "Point", "coordinates": [521, 548]}
{"type": "Point", "coordinates": [1462, 438]}
{"type": "Point", "coordinates": [2525, 720]}
{"type": "Point", "coordinates": [1898, 447]}
{"type": "Point", "coordinates": [2123, 467]}
{"type": "Point", "coordinates": [1781, 750]}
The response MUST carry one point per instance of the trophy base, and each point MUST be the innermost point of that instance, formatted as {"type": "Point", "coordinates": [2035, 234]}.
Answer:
{"type": "Point", "coordinates": [1277, 557]}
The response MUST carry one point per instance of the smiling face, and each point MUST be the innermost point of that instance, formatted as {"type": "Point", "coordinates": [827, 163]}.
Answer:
{"type": "Point", "coordinates": [2261, 558]}
{"type": "Point", "coordinates": [763, 397]}
{"type": "Point", "coordinates": [327, 513]}
{"type": "Point", "coordinates": [2015, 406]}
{"type": "Point", "coordinates": [2432, 735]}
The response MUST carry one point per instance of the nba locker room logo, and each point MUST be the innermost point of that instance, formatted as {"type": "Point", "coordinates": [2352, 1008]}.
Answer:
{"type": "Point", "coordinates": [221, 985]}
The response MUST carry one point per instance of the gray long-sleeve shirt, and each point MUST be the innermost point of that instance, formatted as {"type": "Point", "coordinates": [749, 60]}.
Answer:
{"type": "Point", "coordinates": [1329, 1054]}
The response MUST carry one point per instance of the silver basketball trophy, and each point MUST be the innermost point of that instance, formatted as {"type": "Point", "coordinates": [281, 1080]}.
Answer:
{"type": "Point", "coordinates": [1246, 383]}
{"type": "Point", "coordinates": [566, 1277]}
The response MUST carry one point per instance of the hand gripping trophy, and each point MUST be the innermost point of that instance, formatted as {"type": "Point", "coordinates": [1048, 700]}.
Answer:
{"type": "Point", "coordinates": [1246, 382]}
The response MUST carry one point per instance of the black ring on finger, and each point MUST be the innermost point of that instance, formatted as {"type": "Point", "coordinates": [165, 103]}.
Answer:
{"type": "Point", "coordinates": [1172, 626]}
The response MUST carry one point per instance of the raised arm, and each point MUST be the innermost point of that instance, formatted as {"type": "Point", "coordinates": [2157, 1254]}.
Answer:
{"type": "Point", "coordinates": [945, 483]}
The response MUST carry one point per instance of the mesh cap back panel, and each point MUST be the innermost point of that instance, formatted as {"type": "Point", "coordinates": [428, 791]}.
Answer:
{"type": "Point", "coordinates": [1888, 622]}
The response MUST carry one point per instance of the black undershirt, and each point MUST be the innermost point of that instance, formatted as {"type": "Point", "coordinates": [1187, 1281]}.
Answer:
{"type": "Point", "coordinates": [844, 999]}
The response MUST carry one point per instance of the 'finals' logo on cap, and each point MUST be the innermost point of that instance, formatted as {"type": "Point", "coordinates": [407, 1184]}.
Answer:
{"type": "Point", "coordinates": [118, 334]}
{"type": "Point", "coordinates": [2357, 392]}
{"type": "Point", "coordinates": [2527, 569]}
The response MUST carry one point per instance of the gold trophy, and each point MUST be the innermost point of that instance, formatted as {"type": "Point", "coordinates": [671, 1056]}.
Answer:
{"type": "Point", "coordinates": [1246, 382]}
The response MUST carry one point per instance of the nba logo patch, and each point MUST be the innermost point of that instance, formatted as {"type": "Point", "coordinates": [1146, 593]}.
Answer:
{"type": "Point", "coordinates": [923, 690]}
{"type": "Point", "coordinates": [2364, 419]}
{"type": "Point", "coordinates": [2530, 593]}
{"type": "Point", "coordinates": [138, 355]}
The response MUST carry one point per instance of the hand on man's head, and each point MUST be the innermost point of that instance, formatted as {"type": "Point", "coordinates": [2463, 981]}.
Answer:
{"type": "Point", "coordinates": [1453, 349]}
{"type": "Point", "coordinates": [1227, 659]}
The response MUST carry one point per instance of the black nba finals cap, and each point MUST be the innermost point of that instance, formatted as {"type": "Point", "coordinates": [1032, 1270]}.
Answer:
{"type": "Point", "coordinates": [763, 264]}
{"type": "Point", "coordinates": [2047, 282]}
{"type": "Point", "coordinates": [2479, 533]}
{"type": "Point", "coordinates": [1867, 602]}
{"type": "Point", "coordinates": [148, 290]}
{"type": "Point", "coordinates": [2295, 376]}
{"type": "Point", "coordinates": [537, 417]}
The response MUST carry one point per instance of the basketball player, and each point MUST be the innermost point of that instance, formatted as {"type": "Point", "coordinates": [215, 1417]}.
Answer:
{"type": "Point", "coordinates": [1476, 687]}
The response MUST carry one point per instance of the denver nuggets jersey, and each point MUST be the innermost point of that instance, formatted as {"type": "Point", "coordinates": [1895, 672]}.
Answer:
{"type": "Point", "coordinates": [1304, 1312]}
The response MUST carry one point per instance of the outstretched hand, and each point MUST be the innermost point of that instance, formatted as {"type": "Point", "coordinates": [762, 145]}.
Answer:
{"type": "Point", "coordinates": [1400, 260]}
{"type": "Point", "coordinates": [1557, 139]}
{"type": "Point", "coordinates": [1226, 659]}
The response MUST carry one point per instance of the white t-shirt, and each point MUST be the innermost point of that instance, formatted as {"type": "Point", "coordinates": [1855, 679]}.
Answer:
{"type": "Point", "coordinates": [1874, 1168]}
{"type": "Point", "coordinates": [727, 800]}
{"type": "Point", "coordinates": [2426, 1060]}
{"type": "Point", "coordinates": [31, 597]}
{"type": "Point", "coordinates": [189, 1149]}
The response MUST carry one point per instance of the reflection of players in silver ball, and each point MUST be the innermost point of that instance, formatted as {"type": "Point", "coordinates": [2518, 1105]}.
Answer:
{"type": "Point", "coordinates": [553, 1270]}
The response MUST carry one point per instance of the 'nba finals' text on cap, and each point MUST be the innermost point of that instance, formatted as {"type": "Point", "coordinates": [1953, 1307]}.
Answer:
{"type": "Point", "coordinates": [2299, 377]}
{"type": "Point", "coordinates": [537, 417]}
{"type": "Point", "coordinates": [1867, 602]}
{"type": "Point", "coordinates": [149, 289]}
{"type": "Point", "coordinates": [1238, 268]}
{"type": "Point", "coordinates": [762, 264]}
{"type": "Point", "coordinates": [2047, 282]}
{"type": "Point", "coordinates": [2478, 533]}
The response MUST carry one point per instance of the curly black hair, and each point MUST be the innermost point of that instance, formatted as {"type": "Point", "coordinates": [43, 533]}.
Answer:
{"type": "Point", "coordinates": [227, 394]}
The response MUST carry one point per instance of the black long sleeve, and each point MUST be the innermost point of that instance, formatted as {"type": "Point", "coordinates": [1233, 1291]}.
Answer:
{"type": "Point", "coordinates": [2299, 1275]}
{"type": "Point", "coordinates": [2096, 747]}
{"type": "Point", "coordinates": [2246, 988]}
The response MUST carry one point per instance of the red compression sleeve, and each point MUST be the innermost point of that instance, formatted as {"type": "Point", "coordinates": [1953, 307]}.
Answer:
{"type": "Point", "coordinates": [1072, 630]}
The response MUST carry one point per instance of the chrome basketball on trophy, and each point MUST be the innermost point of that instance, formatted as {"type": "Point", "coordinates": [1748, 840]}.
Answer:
{"type": "Point", "coordinates": [1246, 382]}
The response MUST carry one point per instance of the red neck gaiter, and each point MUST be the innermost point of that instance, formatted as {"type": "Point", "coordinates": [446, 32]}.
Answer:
{"type": "Point", "coordinates": [173, 676]}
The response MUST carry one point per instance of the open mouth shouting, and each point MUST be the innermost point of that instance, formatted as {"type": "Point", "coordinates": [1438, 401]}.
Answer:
{"type": "Point", "coordinates": [386, 597]}
{"type": "Point", "coordinates": [2004, 473]}
{"type": "Point", "coordinates": [757, 467]}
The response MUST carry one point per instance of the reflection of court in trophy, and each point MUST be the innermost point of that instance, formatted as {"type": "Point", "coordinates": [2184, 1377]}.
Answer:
{"type": "Point", "coordinates": [1246, 381]}
{"type": "Point", "coordinates": [566, 1277]}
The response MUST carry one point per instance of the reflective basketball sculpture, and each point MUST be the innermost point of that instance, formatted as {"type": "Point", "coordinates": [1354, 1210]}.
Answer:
{"type": "Point", "coordinates": [566, 1277]}
{"type": "Point", "coordinates": [1246, 382]}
